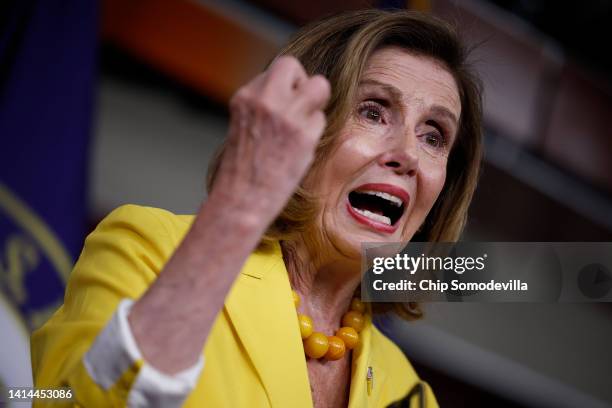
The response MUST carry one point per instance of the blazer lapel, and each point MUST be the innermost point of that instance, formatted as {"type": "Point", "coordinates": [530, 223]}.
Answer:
{"type": "Point", "coordinates": [260, 306]}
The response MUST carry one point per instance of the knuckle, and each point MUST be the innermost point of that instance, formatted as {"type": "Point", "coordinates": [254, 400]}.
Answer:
{"type": "Point", "coordinates": [288, 63]}
{"type": "Point", "coordinates": [313, 130]}
{"type": "Point", "coordinates": [246, 93]}
{"type": "Point", "coordinates": [264, 106]}
{"type": "Point", "coordinates": [241, 97]}
{"type": "Point", "coordinates": [320, 121]}
{"type": "Point", "coordinates": [320, 118]}
{"type": "Point", "coordinates": [321, 86]}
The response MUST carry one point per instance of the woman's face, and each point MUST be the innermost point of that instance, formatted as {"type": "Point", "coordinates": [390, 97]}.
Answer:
{"type": "Point", "coordinates": [388, 165]}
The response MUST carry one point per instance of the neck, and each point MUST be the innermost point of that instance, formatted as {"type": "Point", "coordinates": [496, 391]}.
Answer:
{"type": "Point", "coordinates": [325, 283]}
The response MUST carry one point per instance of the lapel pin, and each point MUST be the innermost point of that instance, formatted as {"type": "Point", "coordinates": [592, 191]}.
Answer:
{"type": "Point", "coordinates": [370, 380]}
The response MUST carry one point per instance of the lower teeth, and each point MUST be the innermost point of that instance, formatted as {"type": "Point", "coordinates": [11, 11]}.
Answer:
{"type": "Point", "coordinates": [373, 216]}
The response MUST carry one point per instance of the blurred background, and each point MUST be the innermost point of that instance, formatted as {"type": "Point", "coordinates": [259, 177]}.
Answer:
{"type": "Point", "coordinates": [113, 102]}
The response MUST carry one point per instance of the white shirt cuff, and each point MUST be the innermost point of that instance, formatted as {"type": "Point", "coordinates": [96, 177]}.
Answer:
{"type": "Point", "coordinates": [115, 351]}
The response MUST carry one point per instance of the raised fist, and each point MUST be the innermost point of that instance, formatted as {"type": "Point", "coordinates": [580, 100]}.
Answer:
{"type": "Point", "coordinates": [276, 122]}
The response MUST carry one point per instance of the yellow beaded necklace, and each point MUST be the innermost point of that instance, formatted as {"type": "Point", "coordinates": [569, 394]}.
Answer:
{"type": "Point", "coordinates": [317, 344]}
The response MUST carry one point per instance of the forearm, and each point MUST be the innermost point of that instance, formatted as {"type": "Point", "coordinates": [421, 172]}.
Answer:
{"type": "Point", "coordinates": [276, 121]}
{"type": "Point", "coordinates": [173, 319]}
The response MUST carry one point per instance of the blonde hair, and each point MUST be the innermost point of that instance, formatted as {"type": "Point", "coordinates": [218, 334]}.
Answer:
{"type": "Point", "coordinates": [339, 47]}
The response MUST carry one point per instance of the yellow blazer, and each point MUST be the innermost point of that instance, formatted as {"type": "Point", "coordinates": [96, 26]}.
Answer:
{"type": "Point", "coordinates": [253, 356]}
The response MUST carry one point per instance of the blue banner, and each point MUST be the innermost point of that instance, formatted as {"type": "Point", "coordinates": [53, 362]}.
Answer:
{"type": "Point", "coordinates": [47, 77]}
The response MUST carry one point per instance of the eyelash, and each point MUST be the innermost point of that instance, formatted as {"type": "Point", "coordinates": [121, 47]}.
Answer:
{"type": "Point", "coordinates": [375, 106]}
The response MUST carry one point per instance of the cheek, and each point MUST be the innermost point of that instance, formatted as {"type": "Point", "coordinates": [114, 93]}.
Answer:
{"type": "Point", "coordinates": [431, 183]}
{"type": "Point", "coordinates": [357, 146]}
{"type": "Point", "coordinates": [353, 153]}
{"type": "Point", "coordinates": [429, 186]}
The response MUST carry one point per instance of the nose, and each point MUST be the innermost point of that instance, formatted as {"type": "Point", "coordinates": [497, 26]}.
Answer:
{"type": "Point", "coordinates": [402, 157]}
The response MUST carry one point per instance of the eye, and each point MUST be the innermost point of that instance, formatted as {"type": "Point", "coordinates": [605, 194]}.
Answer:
{"type": "Point", "coordinates": [435, 139]}
{"type": "Point", "coordinates": [373, 114]}
{"type": "Point", "coordinates": [372, 111]}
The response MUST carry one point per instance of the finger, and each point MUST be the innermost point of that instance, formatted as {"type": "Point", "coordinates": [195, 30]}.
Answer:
{"type": "Point", "coordinates": [284, 77]}
{"type": "Point", "coordinates": [313, 95]}
{"type": "Point", "coordinates": [251, 89]}
{"type": "Point", "coordinates": [258, 82]}
{"type": "Point", "coordinates": [316, 125]}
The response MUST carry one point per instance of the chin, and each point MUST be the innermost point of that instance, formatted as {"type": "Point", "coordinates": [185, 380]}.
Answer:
{"type": "Point", "coordinates": [349, 242]}
{"type": "Point", "coordinates": [345, 235]}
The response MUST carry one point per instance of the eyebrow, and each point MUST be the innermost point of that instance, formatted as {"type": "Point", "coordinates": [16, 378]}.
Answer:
{"type": "Point", "coordinates": [443, 111]}
{"type": "Point", "coordinates": [397, 96]}
{"type": "Point", "coordinates": [395, 93]}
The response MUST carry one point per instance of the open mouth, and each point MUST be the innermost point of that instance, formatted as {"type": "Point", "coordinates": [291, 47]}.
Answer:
{"type": "Point", "coordinates": [380, 207]}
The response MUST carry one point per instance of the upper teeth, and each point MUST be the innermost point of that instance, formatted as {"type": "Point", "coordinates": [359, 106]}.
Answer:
{"type": "Point", "coordinates": [393, 199]}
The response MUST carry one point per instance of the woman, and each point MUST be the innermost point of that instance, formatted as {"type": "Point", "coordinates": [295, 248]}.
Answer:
{"type": "Point", "coordinates": [365, 128]}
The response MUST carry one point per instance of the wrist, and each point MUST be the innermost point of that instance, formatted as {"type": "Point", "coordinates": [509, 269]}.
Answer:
{"type": "Point", "coordinates": [229, 219]}
{"type": "Point", "coordinates": [245, 213]}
